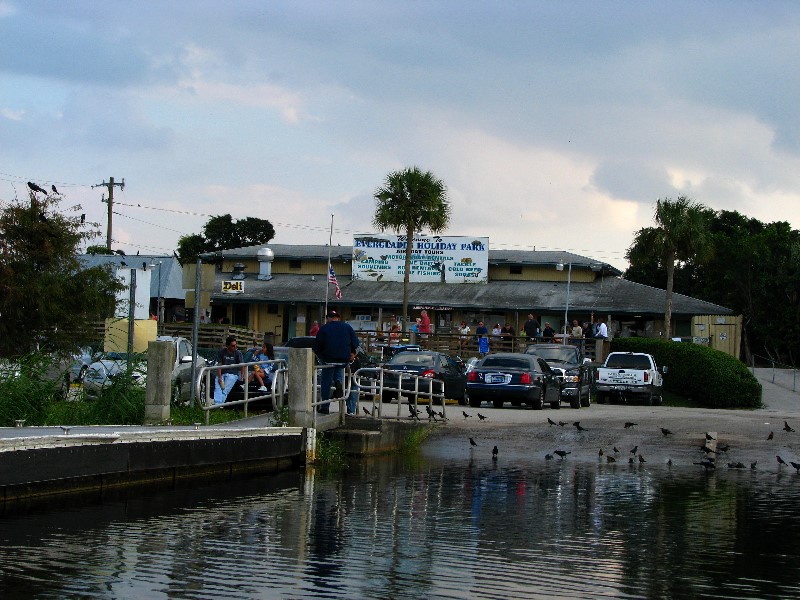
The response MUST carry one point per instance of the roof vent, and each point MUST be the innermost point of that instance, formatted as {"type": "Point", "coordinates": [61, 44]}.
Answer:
{"type": "Point", "coordinates": [238, 271]}
{"type": "Point", "coordinates": [265, 258]}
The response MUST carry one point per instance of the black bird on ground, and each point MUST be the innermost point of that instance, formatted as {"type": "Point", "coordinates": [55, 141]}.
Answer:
{"type": "Point", "coordinates": [641, 459]}
{"type": "Point", "coordinates": [494, 453]}
{"type": "Point", "coordinates": [723, 447]}
{"type": "Point", "coordinates": [366, 412]}
{"type": "Point", "coordinates": [786, 427]}
{"type": "Point", "coordinates": [610, 459]}
{"type": "Point", "coordinates": [795, 465]}
{"type": "Point", "coordinates": [630, 460]}
{"type": "Point", "coordinates": [441, 415]}
{"type": "Point", "coordinates": [600, 453]}
{"type": "Point", "coordinates": [472, 442]}
{"type": "Point", "coordinates": [36, 188]}
{"type": "Point", "coordinates": [628, 424]}
{"type": "Point", "coordinates": [771, 435]}
{"type": "Point", "coordinates": [578, 426]}
{"type": "Point", "coordinates": [669, 462]}
{"type": "Point", "coordinates": [780, 460]}
{"type": "Point", "coordinates": [548, 457]}
{"type": "Point", "coordinates": [430, 412]}
{"type": "Point", "coordinates": [634, 450]}
{"type": "Point", "coordinates": [707, 450]}
{"type": "Point", "coordinates": [562, 453]}
{"type": "Point", "coordinates": [666, 431]}
{"type": "Point", "coordinates": [562, 423]}
{"type": "Point", "coordinates": [710, 438]}
{"type": "Point", "coordinates": [53, 187]}
{"type": "Point", "coordinates": [466, 414]}
{"type": "Point", "coordinates": [481, 417]}
{"type": "Point", "coordinates": [616, 450]}
{"type": "Point", "coordinates": [708, 464]}
{"type": "Point", "coordinates": [753, 464]}
{"type": "Point", "coordinates": [550, 421]}
{"type": "Point", "coordinates": [414, 411]}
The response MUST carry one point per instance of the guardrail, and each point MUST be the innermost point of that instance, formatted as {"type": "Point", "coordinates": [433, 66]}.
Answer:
{"type": "Point", "coordinates": [777, 368]}
{"type": "Point", "coordinates": [277, 394]}
{"type": "Point", "coordinates": [370, 382]}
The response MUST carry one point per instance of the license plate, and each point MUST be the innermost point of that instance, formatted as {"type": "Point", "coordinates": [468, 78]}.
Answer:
{"type": "Point", "coordinates": [497, 378]}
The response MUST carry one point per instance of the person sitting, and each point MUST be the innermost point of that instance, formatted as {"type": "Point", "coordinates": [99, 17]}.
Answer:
{"type": "Point", "coordinates": [261, 372]}
{"type": "Point", "coordinates": [548, 333]}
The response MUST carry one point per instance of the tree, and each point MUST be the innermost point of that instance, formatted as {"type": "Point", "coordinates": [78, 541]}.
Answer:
{"type": "Point", "coordinates": [47, 298]}
{"type": "Point", "coordinates": [223, 233]}
{"type": "Point", "coordinates": [409, 201]}
{"type": "Point", "coordinates": [681, 234]}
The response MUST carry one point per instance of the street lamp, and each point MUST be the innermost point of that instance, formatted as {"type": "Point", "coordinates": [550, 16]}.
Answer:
{"type": "Point", "coordinates": [158, 298]}
{"type": "Point", "coordinates": [560, 267]}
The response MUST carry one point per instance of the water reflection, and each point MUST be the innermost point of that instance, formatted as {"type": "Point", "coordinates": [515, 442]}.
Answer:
{"type": "Point", "coordinates": [391, 528]}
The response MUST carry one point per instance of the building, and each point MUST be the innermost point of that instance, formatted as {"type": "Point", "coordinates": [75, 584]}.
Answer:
{"type": "Point", "coordinates": [282, 289]}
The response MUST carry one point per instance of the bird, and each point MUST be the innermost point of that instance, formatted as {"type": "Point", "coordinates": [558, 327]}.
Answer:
{"type": "Point", "coordinates": [710, 438]}
{"type": "Point", "coordinates": [610, 459]}
{"type": "Point", "coordinates": [723, 447]}
{"type": "Point", "coordinates": [771, 435]}
{"type": "Point", "coordinates": [707, 450]}
{"type": "Point", "coordinates": [634, 450]}
{"type": "Point", "coordinates": [120, 252]}
{"type": "Point", "coordinates": [600, 453]}
{"type": "Point", "coordinates": [780, 460]}
{"type": "Point", "coordinates": [562, 423]}
{"type": "Point", "coordinates": [466, 414]}
{"type": "Point", "coordinates": [414, 412]}
{"type": "Point", "coordinates": [36, 188]}
{"type": "Point", "coordinates": [786, 427]}
{"type": "Point", "coordinates": [753, 464]}
{"type": "Point", "coordinates": [441, 415]}
{"type": "Point", "coordinates": [494, 453]}
{"type": "Point", "coordinates": [481, 417]}
{"type": "Point", "coordinates": [430, 412]}
{"type": "Point", "coordinates": [472, 442]}
{"type": "Point", "coordinates": [795, 465]}
{"type": "Point", "coordinates": [641, 459]}
{"type": "Point", "coordinates": [630, 460]}
{"type": "Point", "coordinates": [83, 218]}
{"type": "Point", "coordinates": [550, 421]}
{"type": "Point", "coordinates": [562, 453]}
{"type": "Point", "coordinates": [708, 464]}
{"type": "Point", "coordinates": [548, 457]}
{"type": "Point", "coordinates": [578, 426]}
{"type": "Point", "coordinates": [616, 450]}
{"type": "Point", "coordinates": [53, 187]}
{"type": "Point", "coordinates": [628, 424]}
{"type": "Point", "coordinates": [666, 431]}
{"type": "Point", "coordinates": [669, 462]}
{"type": "Point", "coordinates": [366, 412]}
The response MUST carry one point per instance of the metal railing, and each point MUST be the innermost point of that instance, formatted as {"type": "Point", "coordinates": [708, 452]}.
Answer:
{"type": "Point", "coordinates": [277, 394]}
{"type": "Point", "coordinates": [370, 382]}
{"type": "Point", "coordinates": [317, 391]}
{"type": "Point", "coordinates": [780, 371]}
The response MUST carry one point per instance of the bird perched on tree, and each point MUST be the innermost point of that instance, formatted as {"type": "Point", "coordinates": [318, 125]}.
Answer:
{"type": "Point", "coordinates": [634, 450]}
{"type": "Point", "coordinates": [666, 431]}
{"type": "Point", "coordinates": [481, 417]}
{"type": "Point", "coordinates": [466, 414]}
{"type": "Point", "coordinates": [628, 425]}
{"type": "Point", "coordinates": [472, 442]}
{"type": "Point", "coordinates": [83, 218]}
{"type": "Point", "coordinates": [494, 453]}
{"type": "Point", "coordinates": [562, 453]}
{"type": "Point", "coordinates": [578, 426]}
{"type": "Point", "coordinates": [36, 188]}
{"type": "Point", "coordinates": [771, 435]}
{"type": "Point", "coordinates": [550, 421]}
{"type": "Point", "coordinates": [610, 459]}
{"type": "Point", "coordinates": [709, 438]}
{"type": "Point", "coordinates": [786, 427]}
{"type": "Point", "coordinates": [53, 187]}
{"type": "Point", "coordinates": [780, 460]}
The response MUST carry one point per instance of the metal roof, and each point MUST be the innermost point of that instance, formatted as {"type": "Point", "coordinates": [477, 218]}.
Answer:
{"type": "Point", "coordinates": [170, 274]}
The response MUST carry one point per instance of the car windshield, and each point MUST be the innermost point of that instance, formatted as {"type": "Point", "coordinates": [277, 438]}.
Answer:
{"type": "Point", "coordinates": [413, 359]}
{"type": "Point", "coordinates": [505, 362]}
{"type": "Point", "coordinates": [628, 361]}
{"type": "Point", "coordinates": [567, 354]}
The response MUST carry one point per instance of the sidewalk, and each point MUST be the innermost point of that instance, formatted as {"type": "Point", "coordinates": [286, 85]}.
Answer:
{"type": "Point", "coordinates": [780, 389]}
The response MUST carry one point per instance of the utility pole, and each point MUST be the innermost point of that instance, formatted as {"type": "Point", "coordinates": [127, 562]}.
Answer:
{"type": "Point", "coordinates": [110, 185]}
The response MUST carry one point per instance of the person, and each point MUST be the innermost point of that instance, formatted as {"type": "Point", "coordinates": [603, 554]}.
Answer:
{"type": "Point", "coordinates": [548, 332]}
{"type": "Point", "coordinates": [394, 335]}
{"type": "Point", "coordinates": [602, 330]}
{"type": "Point", "coordinates": [424, 322]}
{"type": "Point", "coordinates": [261, 372]}
{"type": "Point", "coordinates": [531, 327]}
{"type": "Point", "coordinates": [497, 331]}
{"type": "Point", "coordinates": [577, 330]}
{"type": "Point", "coordinates": [335, 344]}
{"type": "Point", "coordinates": [482, 333]}
{"type": "Point", "coordinates": [314, 328]}
{"type": "Point", "coordinates": [464, 331]}
{"type": "Point", "coordinates": [226, 378]}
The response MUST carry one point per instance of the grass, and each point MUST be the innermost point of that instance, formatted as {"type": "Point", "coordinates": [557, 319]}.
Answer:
{"type": "Point", "coordinates": [414, 440]}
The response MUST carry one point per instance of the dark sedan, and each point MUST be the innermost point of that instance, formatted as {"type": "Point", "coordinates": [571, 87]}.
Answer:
{"type": "Point", "coordinates": [436, 367]}
{"type": "Point", "coordinates": [516, 378]}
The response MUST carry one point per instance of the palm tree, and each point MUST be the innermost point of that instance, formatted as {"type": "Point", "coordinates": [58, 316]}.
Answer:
{"type": "Point", "coordinates": [408, 201]}
{"type": "Point", "coordinates": [681, 233]}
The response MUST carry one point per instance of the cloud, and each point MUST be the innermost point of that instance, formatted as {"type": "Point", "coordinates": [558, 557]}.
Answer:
{"type": "Point", "coordinates": [13, 115]}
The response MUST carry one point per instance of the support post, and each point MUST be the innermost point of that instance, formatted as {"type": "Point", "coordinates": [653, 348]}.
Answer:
{"type": "Point", "coordinates": [301, 392]}
{"type": "Point", "coordinates": [160, 361]}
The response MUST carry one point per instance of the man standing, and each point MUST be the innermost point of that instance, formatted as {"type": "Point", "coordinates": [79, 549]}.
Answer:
{"type": "Point", "coordinates": [226, 373]}
{"type": "Point", "coordinates": [531, 327]}
{"type": "Point", "coordinates": [424, 323]}
{"type": "Point", "coordinates": [482, 335]}
{"type": "Point", "coordinates": [335, 344]}
{"type": "Point", "coordinates": [602, 330]}
{"type": "Point", "coordinates": [577, 330]}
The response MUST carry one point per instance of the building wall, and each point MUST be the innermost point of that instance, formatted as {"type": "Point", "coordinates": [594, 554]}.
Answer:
{"type": "Point", "coordinates": [724, 332]}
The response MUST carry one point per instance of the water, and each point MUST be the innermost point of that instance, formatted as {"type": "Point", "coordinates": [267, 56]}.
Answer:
{"type": "Point", "coordinates": [422, 528]}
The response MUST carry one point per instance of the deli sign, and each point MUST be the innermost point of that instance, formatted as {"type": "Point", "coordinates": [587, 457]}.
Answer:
{"type": "Point", "coordinates": [233, 287]}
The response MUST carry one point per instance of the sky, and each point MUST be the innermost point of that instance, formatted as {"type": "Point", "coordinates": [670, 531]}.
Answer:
{"type": "Point", "coordinates": [555, 125]}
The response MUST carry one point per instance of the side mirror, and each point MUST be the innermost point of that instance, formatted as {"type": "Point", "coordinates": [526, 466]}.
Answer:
{"type": "Point", "coordinates": [664, 369]}
{"type": "Point", "coordinates": [186, 359]}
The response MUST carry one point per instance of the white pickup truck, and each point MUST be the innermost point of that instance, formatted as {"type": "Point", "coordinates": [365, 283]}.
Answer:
{"type": "Point", "coordinates": [630, 375]}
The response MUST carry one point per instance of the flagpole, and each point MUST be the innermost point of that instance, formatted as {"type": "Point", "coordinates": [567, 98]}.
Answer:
{"type": "Point", "coordinates": [328, 270]}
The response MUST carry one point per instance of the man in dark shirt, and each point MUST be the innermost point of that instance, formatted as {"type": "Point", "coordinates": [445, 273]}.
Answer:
{"type": "Point", "coordinates": [335, 344]}
{"type": "Point", "coordinates": [531, 327]}
{"type": "Point", "coordinates": [226, 374]}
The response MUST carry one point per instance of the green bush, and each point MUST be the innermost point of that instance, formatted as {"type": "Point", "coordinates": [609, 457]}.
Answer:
{"type": "Point", "coordinates": [710, 377]}
{"type": "Point", "coordinates": [25, 392]}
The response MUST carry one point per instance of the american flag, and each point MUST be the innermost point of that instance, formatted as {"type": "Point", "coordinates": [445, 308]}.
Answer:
{"type": "Point", "coordinates": [332, 279]}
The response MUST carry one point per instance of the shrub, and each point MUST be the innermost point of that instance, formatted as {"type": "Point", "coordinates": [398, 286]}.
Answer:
{"type": "Point", "coordinates": [710, 377]}
{"type": "Point", "coordinates": [25, 391]}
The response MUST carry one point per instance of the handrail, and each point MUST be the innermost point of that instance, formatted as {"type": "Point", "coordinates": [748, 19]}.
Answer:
{"type": "Point", "coordinates": [371, 380]}
{"type": "Point", "coordinates": [341, 400]}
{"type": "Point", "coordinates": [775, 367]}
{"type": "Point", "coordinates": [277, 391]}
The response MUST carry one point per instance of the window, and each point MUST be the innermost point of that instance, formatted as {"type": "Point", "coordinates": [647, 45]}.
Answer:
{"type": "Point", "coordinates": [295, 264]}
{"type": "Point", "coordinates": [516, 269]}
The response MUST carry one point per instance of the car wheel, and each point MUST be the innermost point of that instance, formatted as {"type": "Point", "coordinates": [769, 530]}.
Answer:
{"type": "Point", "coordinates": [82, 373]}
{"type": "Point", "coordinates": [474, 402]}
{"type": "Point", "coordinates": [176, 394]}
{"type": "Point", "coordinates": [657, 400]}
{"type": "Point", "coordinates": [648, 400]}
{"type": "Point", "coordinates": [497, 403]}
{"type": "Point", "coordinates": [538, 403]}
{"type": "Point", "coordinates": [586, 400]}
{"type": "Point", "coordinates": [576, 401]}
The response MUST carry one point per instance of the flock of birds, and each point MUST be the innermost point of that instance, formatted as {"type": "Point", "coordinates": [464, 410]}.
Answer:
{"type": "Point", "coordinates": [709, 460]}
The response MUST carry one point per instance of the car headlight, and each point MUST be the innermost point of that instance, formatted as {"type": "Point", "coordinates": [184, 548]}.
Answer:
{"type": "Point", "coordinates": [572, 379]}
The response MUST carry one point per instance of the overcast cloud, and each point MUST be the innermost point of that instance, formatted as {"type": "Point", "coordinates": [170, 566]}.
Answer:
{"type": "Point", "coordinates": [555, 125]}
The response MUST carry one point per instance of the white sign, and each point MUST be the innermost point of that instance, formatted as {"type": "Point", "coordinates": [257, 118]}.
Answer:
{"type": "Point", "coordinates": [381, 257]}
{"type": "Point", "coordinates": [233, 287]}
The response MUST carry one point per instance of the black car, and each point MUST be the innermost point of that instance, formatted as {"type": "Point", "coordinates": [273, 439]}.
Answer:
{"type": "Point", "coordinates": [513, 377]}
{"type": "Point", "coordinates": [437, 367]}
{"type": "Point", "coordinates": [575, 376]}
